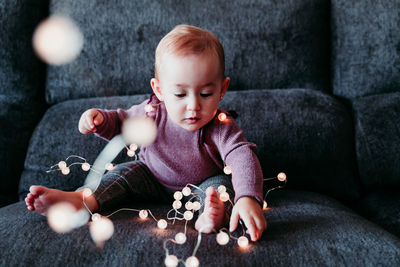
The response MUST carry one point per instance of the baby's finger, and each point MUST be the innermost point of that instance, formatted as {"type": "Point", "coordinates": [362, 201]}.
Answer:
{"type": "Point", "coordinates": [261, 223]}
{"type": "Point", "coordinates": [249, 222]}
{"type": "Point", "coordinates": [234, 221]}
{"type": "Point", "coordinates": [89, 121]}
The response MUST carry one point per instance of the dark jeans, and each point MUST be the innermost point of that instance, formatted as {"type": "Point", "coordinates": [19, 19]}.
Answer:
{"type": "Point", "coordinates": [133, 181]}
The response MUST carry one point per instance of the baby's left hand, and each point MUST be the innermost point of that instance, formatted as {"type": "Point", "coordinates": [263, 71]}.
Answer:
{"type": "Point", "coordinates": [250, 211]}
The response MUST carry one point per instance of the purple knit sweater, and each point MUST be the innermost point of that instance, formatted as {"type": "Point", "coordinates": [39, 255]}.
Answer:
{"type": "Point", "coordinates": [178, 156]}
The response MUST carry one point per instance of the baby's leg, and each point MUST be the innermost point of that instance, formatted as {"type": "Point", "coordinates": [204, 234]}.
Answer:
{"type": "Point", "coordinates": [40, 199]}
{"type": "Point", "coordinates": [215, 213]}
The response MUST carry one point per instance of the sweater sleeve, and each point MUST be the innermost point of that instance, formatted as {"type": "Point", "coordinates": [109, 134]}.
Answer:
{"type": "Point", "coordinates": [113, 119]}
{"type": "Point", "coordinates": [238, 154]}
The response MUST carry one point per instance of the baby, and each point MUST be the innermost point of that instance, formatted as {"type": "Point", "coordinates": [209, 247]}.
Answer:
{"type": "Point", "coordinates": [192, 146]}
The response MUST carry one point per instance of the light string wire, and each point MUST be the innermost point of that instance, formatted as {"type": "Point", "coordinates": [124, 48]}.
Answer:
{"type": "Point", "coordinates": [178, 214]}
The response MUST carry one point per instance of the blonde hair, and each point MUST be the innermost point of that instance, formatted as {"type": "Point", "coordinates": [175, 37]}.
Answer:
{"type": "Point", "coordinates": [184, 40]}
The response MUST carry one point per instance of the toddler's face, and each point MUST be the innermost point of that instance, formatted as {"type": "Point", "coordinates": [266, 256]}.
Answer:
{"type": "Point", "coordinates": [191, 88]}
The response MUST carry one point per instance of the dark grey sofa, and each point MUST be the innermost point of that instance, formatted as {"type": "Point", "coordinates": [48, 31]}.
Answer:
{"type": "Point", "coordinates": [316, 85]}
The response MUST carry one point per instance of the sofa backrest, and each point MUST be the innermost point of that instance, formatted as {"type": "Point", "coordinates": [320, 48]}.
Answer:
{"type": "Point", "coordinates": [268, 44]}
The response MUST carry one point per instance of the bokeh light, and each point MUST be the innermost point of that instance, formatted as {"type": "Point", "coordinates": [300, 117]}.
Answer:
{"type": "Point", "coordinates": [140, 130]}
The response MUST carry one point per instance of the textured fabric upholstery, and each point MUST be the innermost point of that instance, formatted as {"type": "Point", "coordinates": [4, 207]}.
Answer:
{"type": "Point", "coordinates": [365, 47]}
{"type": "Point", "coordinates": [290, 128]}
{"type": "Point", "coordinates": [377, 126]}
{"type": "Point", "coordinates": [281, 44]}
{"type": "Point", "coordinates": [304, 229]}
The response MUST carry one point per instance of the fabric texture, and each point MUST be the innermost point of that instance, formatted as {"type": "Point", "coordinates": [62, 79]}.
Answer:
{"type": "Point", "coordinates": [303, 229]}
{"type": "Point", "coordinates": [377, 129]}
{"type": "Point", "coordinates": [365, 47]}
{"type": "Point", "coordinates": [178, 156]}
{"type": "Point", "coordinates": [279, 44]}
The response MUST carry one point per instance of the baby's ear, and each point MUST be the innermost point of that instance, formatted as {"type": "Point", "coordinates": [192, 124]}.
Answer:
{"type": "Point", "coordinates": [155, 84]}
{"type": "Point", "coordinates": [224, 86]}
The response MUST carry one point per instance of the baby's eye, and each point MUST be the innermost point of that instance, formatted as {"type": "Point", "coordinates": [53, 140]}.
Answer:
{"type": "Point", "coordinates": [180, 95]}
{"type": "Point", "coordinates": [205, 94]}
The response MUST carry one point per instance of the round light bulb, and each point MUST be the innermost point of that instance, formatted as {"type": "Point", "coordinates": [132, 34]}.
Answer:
{"type": "Point", "coordinates": [87, 192]}
{"type": "Point", "coordinates": [192, 261]}
{"type": "Point", "coordinates": [130, 153]}
{"type": "Point", "coordinates": [62, 164]}
{"type": "Point", "coordinates": [265, 205]}
{"type": "Point", "coordinates": [189, 205]}
{"type": "Point", "coordinates": [180, 238]}
{"type": "Point", "coordinates": [188, 215]}
{"type": "Point", "coordinates": [178, 195]}
{"type": "Point", "coordinates": [186, 191]}
{"type": "Point", "coordinates": [59, 217]}
{"type": "Point", "coordinates": [282, 176]}
{"type": "Point", "coordinates": [177, 204]}
{"type": "Point", "coordinates": [227, 170]}
{"type": "Point", "coordinates": [222, 116]}
{"type": "Point", "coordinates": [224, 196]}
{"type": "Point", "coordinates": [221, 189]}
{"type": "Point", "coordinates": [133, 147]}
{"type": "Point", "coordinates": [96, 217]}
{"type": "Point", "coordinates": [171, 261]}
{"type": "Point", "coordinates": [148, 108]}
{"type": "Point", "coordinates": [85, 166]}
{"type": "Point", "coordinates": [162, 224]}
{"type": "Point", "coordinates": [65, 170]}
{"type": "Point", "coordinates": [57, 40]}
{"type": "Point", "coordinates": [101, 229]}
{"type": "Point", "coordinates": [243, 241]}
{"type": "Point", "coordinates": [139, 130]}
{"type": "Point", "coordinates": [196, 205]}
{"type": "Point", "coordinates": [109, 166]}
{"type": "Point", "coordinates": [222, 238]}
{"type": "Point", "coordinates": [143, 214]}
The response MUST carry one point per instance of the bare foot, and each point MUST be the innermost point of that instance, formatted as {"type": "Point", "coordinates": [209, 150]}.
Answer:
{"type": "Point", "coordinates": [214, 215]}
{"type": "Point", "coordinates": [41, 198]}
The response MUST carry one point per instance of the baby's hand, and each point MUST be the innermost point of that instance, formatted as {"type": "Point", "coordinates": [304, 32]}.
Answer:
{"type": "Point", "coordinates": [89, 120]}
{"type": "Point", "coordinates": [251, 213]}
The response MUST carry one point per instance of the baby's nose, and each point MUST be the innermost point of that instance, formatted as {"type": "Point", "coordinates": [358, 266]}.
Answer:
{"type": "Point", "coordinates": [193, 104]}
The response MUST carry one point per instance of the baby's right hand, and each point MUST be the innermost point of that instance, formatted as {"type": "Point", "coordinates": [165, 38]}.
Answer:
{"type": "Point", "coordinates": [89, 120]}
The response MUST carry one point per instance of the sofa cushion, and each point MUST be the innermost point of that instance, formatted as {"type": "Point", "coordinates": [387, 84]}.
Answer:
{"type": "Point", "coordinates": [365, 47]}
{"type": "Point", "coordinates": [377, 126]}
{"type": "Point", "coordinates": [305, 133]}
{"type": "Point", "coordinates": [383, 208]}
{"type": "Point", "coordinates": [268, 44]}
{"type": "Point", "coordinates": [303, 229]}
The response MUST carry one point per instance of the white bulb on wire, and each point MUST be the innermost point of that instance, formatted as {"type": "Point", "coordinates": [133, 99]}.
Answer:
{"type": "Point", "coordinates": [221, 189]}
{"type": "Point", "coordinates": [65, 171]}
{"type": "Point", "coordinates": [59, 215]}
{"type": "Point", "coordinates": [243, 241]}
{"type": "Point", "coordinates": [227, 170]}
{"type": "Point", "coordinates": [148, 108]}
{"type": "Point", "coordinates": [85, 166]}
{"type": "Point", "coordinates": [222, 238]}
{"type": "Point", "coordinates": [101, 230]}
{"type": "Point", "coordinates": [87, 192]}
{"type": "Point", "coordinates": [196, 205]}
{"type": "Point", "coordinates": [222, 116]}
{"type": "Point", "coordinates": [96, 217]}
{"type": "Point", "coordinates": [180, 238]}
{"type": "Point", "coordinates": [109, 166]}
{"type": "Point", "coordinates": [192, 261]}
{"type": "Point", "coordinates": [133, 147]}
{"type": "Point", "coordinates": [62, 164]}
{"type": "Point", "coordinates": [171, 261]}
{"type": "Point", "coordinates": [189, 205]}
{"type": "Point", "coordinates": [188, 215]}
{"type": "Point", "coordinates": [177, 204]}
{"type": "Point", "coordinates": [224, 196]}
{"type": "Point", "coordinates": [162, 224]}
{"type": "Point", "coordinates": [143, 214]}
{"type": "Point", "coordinates": [178, 195]}
{"type": "Point", "coordinates": [130, 153]}
{"type": "Point", "coordinates": [186, 191]}
{"type": "Point", "coordinates": [282, 176]}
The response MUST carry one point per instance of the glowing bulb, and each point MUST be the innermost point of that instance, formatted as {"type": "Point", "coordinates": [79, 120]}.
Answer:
{"type": "Point", "coordinates": [224, 196]}
{"type": "Point", "coordinates": [192, 261]}
{"type": "Point", "coordinates": [101, 229]}
{"type": "Point", "coordinates": [143, 214]}
{"type": "Point", "coordinates": [62, 164]}
{"type": "Point", "coordinates": [282, 176]}
{"type": "Point", "coordinates": [188, 215]}
{"type": "Point", "coordinates": [171, 261]}
{"type": "Point", "coordinates": [57, 40]}
{"type": "Point", "coordinates": [221, 189]}
{"type": "Point", "coordinates": [131, 153]}
{"type": "Point", "coordinates": [148, 108]}
{"type": "Point", "coordinates": [180, 238]}
{"type": "Point", "coordinates": [177, 204]}
{"type": "Point", "coordinates": [265, 205]}
{"type": "Point", "coordinates": [109, 166]}
{"type": "Point", "coordinates": [196, 205]}
{"type": "Point", "coordinates": [162, 224]}
{"type": "Point", "coordinates": [189, 205]}
{"type": "Point", "coordinates": [133, 147]}
{"type": "Point", "coordinates": [59, 216]}
{"type": "Point", "coordinates": [87, 192]}
{"type": "Point", "coordinates": [243, 241]}
{"type": "Point", "coordinates": [222, 116]}
{"type": "Point", "coordinates": [227, 170]}
{"type": "Point", "coordinates": [186, 191]}
{"type": "Point", "coordinates": [96, 217]}
{"type": "Point", "coordinates": [178, 195]}
{"type": "Point", "coordinates": [222, 238]}
{"type": "Point", "coordinates": [139, 130]}
{"type": "Point", "coordinates": [65, 170]}
{"type": "Point", "coordinates": [85, 166]}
